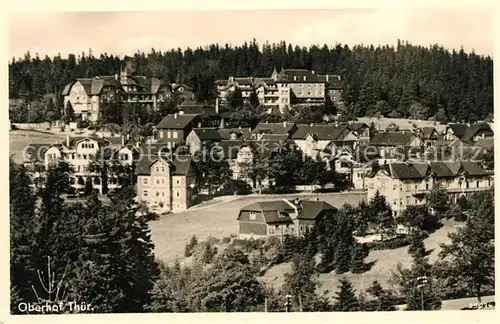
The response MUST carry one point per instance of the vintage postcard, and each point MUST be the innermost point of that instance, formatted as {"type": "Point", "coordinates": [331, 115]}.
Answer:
{"type": "Point", "coordinates": [322, 160]}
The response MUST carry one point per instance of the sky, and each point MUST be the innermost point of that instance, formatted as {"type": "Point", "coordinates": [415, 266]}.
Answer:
{"type": "Point", "coordinates": [126, 32]}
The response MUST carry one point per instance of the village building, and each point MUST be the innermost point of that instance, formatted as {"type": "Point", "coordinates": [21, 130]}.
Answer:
{"type": "Point", "coordinates": [87, 95]}
{"type": "Point", "coordinates": [281, 218]}
{"type": "Point", "coordinates": [79, 153]}
{"type": "Point", "coordinates": [405, 184]}
{"type": "Point", "coordinates": [166, 184]}
{"type": "Point", "coordinates": [286, 88]}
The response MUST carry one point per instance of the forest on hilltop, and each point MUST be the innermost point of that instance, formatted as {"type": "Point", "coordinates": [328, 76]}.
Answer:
{"type": "Point", "coordinates": [385, 80]}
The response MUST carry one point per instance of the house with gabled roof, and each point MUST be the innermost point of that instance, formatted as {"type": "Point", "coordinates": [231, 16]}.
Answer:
{"type": "Point", "coordinates": [454, 131]}
{"type": "Point", "coordinates": [86, 95]}
{"type": "Point", "coordinates": [314, 138]}
{"type": "Point", "coordinates": [281, 218]}
{"type": "Point", "coordinates": [166, 184]}
{"type": "Point", "coordinates": [174, 128]}
{"type": "Point", "coordinates": [79, 152]}
{"type": "Point", "coordinates": [405, 184]}
{"type": "Point", "coordinates": [284, 128]}
{"type": "Point", "coordinates": [198, 137]}
{"type": "Point", "coordinates": [396, 145]}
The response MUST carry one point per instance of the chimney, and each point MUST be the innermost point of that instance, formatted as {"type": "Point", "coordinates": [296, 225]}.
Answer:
{"type": "Point", "coordinates": [67, 140]}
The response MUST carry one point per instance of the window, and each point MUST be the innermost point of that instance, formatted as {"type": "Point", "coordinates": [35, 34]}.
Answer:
{"type": "Point", "coordinates": [408, 200]}
{"type": "Point", "coordinates": [416, 187]}
{"type": "Point", "coordinates": [84, 156]}
{"type": "Point", "coordinates": [271, 230]}
{"type": "Point", "coordinates": [253, 216]}
{"type": "Point", "coordinates": [168, 134]}
{"type": "Point", "coordinates": [394, 187]}
{"type": "Point", "coordinates": [157, 169]}
{"type": "Point", "coordinates": [178, 194]}
{"type": "Point", "coordinates": [144, 193]}
{"type": "Point", "coordinates": [145, 181]}
{"type": "Point", "coordinates": [157, 194]}
{"type": "Point", "coordinates": [177, 181]}
{"type": "Point", "coordinates": [78, 168]}
{"type": "Point", "coordinates": [161, 134]}
{"type": "Point", "coordinates": [157, 181]}
{"type": "Point", "coordinates": [477, 184]}
{"type": "Point", "coordinates": [163, 193]}
{"type": "Point", "coordinates": [162, 169]}
{"type": "Point", "coordinates": [174, 134]}
{"type": "Point", "coordinates": [395, 202]}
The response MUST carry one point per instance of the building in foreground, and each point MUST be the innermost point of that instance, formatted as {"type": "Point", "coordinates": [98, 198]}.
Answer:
{"type": "Point", "coordinates": [405, 184]}
{"type": "Point", "coordinates": [165, 184]}
{"type": "Point", "coordinates": [280, 218]}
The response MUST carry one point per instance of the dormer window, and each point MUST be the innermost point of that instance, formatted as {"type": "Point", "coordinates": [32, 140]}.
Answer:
{"type": "Point", "coordinates": [253, 216]}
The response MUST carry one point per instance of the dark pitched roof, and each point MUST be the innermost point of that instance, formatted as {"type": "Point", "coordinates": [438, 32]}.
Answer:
{"type": "Point", "coordinates": [298, 76]}
{"type": "Point", "coordinates": [180, 165]}
{"type": "Point", "coordinates": [176, 121]}
{"type": "Point", "coordinates": [311, 209]}
{"type": "Point", "coordinates": [428, 131]}
{"type": "Point", "coordinates": [404, 171]}
{"type": "Point", "coordinates": [274, 128]}
{"type": "Point", "coordinates": [271, 210]}
{"type": "Point", "coordinates": [473, 129]}
{"type": "Point", "coordinates": [320, 132]}
{"type": "Point", "coordinates": [473, 168]}
{"type": "Point", "coordinates": [244, 81]}
{"type": "Point", "coordinates": [241, 133]}
{"type": "Point", "coordinates": [392, 139]}
{"type": "Point", "coordinates": [144, 164]}
{"type": "Point", "coordinates": [357, 126]}
{"type": "Point", "coordinates": [458, 129]}
{"type": "Point", "coordinates": [333, 81]}
{"type": "Point", "coordinates": [441, 170]}
{"type": "Point", "coordinates": [207, 134]}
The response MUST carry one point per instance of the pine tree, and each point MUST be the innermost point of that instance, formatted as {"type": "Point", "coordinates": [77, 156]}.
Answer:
{"type": "Point", "coordinates": [346, 300]}
{"type": "Point", "coordinates": [358, 255]}
{"type": "Point", "coordinates": [384, 299]}
{"type": "Point", "coordinates": [22, 213]}
{"type": "Point", "coordinates": [69, 113]}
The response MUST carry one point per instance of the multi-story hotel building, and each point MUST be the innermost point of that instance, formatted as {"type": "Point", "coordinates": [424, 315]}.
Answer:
{"type": "Point", "coordinates": [288, 87]}
{"type": "Point", "coordinates": [86, 95]}
{"type": "Point", "coordinates": [79, 153]}
{"type": "Point", "coordinates": [405, 184]}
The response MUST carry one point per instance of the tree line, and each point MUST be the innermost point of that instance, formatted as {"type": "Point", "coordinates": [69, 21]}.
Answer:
{"type": "Point", "coordinates": [398, 81]}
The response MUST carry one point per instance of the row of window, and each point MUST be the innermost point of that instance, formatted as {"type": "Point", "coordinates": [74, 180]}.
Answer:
{"type": "Point", "coordinates": [170, 134]}
{"type": "Point", "coordinates": [145, 193]}
{"type": "Point", "coordinates": [87, 145]}
{"type": "Point", "coordinates": [157, 180]}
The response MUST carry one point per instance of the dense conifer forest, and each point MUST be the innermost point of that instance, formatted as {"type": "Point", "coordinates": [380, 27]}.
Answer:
{"type": "Point", "coordinates": [386, 80]}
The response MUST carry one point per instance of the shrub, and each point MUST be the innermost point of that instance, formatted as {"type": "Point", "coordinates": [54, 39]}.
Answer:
{"type": "Point", "coordinates": [393, 243]}
{"type": "Point", "coordinates": [226, 240]}
{"type": "Point", "coordinates": [190, 246]}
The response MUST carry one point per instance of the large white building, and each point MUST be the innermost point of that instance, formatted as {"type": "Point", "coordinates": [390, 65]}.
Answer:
{"type": "Point", "coordinates": [405, 184]}
{"type": "Point", "coordinates": [79, 152]}
{"type": "Point", "coordinates": [288, 87]}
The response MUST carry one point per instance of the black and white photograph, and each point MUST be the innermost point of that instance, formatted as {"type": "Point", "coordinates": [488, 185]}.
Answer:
{"type": "Point", "coordinates": [272, 160]}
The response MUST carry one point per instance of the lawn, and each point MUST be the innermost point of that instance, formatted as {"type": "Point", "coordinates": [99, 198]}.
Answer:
{"type": "Point", "coordinates": [385, 262]}
{"type": "Point", "coordinates": [171, 232]}
{"type": "Point", "coordinates": [20, 139]}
